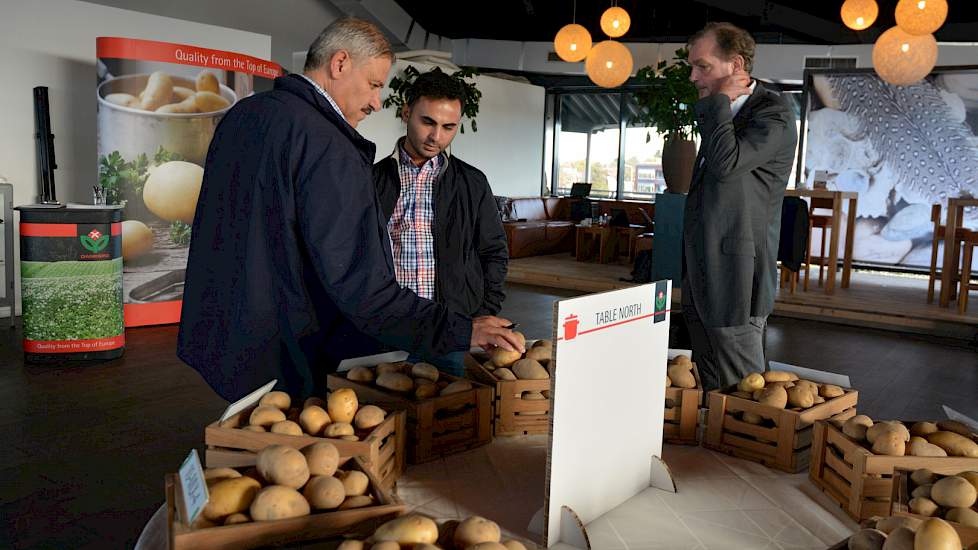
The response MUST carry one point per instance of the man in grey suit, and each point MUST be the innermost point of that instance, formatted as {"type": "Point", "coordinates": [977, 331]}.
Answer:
{"type": "Point", "coordinates": [733, 211]}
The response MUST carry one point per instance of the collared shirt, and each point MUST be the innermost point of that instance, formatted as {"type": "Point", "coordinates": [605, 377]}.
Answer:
{"type": "Point", "coordinates": [412, 239]}
{"type": "Point", "coordinates": [739, 102]}
{"type": "Point", "coordinates": [323, 93]}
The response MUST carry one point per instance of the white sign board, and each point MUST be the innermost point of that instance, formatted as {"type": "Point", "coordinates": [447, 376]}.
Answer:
{"type": "Point", "coordinates": [608, 387]}
{"type": "Point", "coordinates": [193, 488]}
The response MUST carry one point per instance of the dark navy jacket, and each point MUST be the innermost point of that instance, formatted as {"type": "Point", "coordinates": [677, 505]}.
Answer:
{"type": "Point", "coordinates": [290, 258]}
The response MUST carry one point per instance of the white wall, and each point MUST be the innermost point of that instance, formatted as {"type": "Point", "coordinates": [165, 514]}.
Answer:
{"type": "Point", "coordinates": [508, 146]}
{"type": "Point", "coordinates": [52, 43]}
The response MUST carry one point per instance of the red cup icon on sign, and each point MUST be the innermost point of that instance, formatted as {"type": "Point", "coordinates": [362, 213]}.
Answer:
{"type": "Point", "coordinates": [570, 327]}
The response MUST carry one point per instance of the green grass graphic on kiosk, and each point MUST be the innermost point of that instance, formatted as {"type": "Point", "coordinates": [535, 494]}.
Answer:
{"type": "Point", "coordinates": [72, 300]}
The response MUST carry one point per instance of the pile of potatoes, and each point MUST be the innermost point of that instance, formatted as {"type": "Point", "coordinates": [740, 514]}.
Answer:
{"type": "Point", "coordinates": [679, 373]}
{"type": "Point", "coordinates": [162, 95]}
{"type": "Point", "coordinates": [900, 533]}
{"type": "Point", "coordinates": [285, 483]}
{"type": "Point", "coordinates": [532, 365]}
{"type": "Point", "coordinates": [421, 380]}
{"type": "Point", "coordinates": [893, 438]}
{"type": "Point", "coordinates": [952, 498]}
{"type": "Point", "coordinates": [340, 416]}
{"type": "Point", "coordinates": [783, 390]}
{"type": "Point", "coordinates": [418, 532]}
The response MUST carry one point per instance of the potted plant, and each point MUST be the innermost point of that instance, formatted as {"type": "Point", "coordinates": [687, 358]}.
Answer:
{"type": "Point", "coordinates": [666, 102]}
{"type": "Point", "coordinates": [402, 83]}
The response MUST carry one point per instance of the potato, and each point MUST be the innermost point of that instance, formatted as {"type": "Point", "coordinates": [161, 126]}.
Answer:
{"type": "Point", "coordinates": [818, 400]}
{"type": "Point", "coordinates": [486, 546]}
{"type": "Point", "coordinates": [972, 478]}
{"type": "Point", "coordinates": [922, 490]}
{"type": "Point", "coordinates": [357, 502]}
{"type": "Point", "coordinates": [856, 427]}
{"type": "Point", "coordinates": [954, 444]}
{"type": "Point", "coordinates": [517, 545]}
{"type": "Point", "coordinates": [338, 429]}
{"type": "Point", "coordinates": [322, 458]}
{"type": "Point", "coordinates": [954, 426]}
{"type": "Point", "coordinates": [395, 381]}
{"type": "Point", "coordinates": [830, 391]}
{"type": "Point", "coordinates": [235, 519]}
{"type": "Point", "coordinates": [213, 475]}
{"type": "Point", "coordinates": [867, 539]}
{"type": "Point", "coordinates": [529, 369]}
{"type": "Point", "coordinates": [386, 545]}
{"type": "Point", "coordinates": [668, 381]}
{"type": "Point", "coordinates": [424, 370]}
{"type": "Point", "coordinates": [181, 107]}
{"type": "Point", "coordinates": [532, 396]}
{"type": "Point", "coordinates": [360, 374]}
{"type": "Point", "coordinates": [489, 365]}
{"type": "Point", "coordinates": [342, 405]}
{"type": "Point", "coordinates": [936, 534]}
{"type": "Point", "coordinates": [324, 492]}
{"type": "Point", "coordinates": [207, 82]}
{"type": "Point", "coordinates": [137, 239]}
{"type": "Point", "coordinates": [425, 390]}
{"type": "Point", "coordinates": [313, 419]}
{"type": "Point", "coordinates": [230, 496]}
{"type": "Point", "coordinates": [265, 416]}
{"type": "Point", "coordinates": [457, 386]}
{"type": "Point", "coordinates": [351, 544]}
{"type": "Point", "coordinates": [282, 465]}
{"type": "Point", "coordinates": [181, 93]}
{"type": "Point", "coordinates": [923, 428]}
{"type": "Point", "coordinates": [775, 376]}
{"type": "Point", "coordinates": [278, 502]}
{"type": "Point", "coordinates": [880, 428]}
{"type": "Point", "coordinates": [964, 516]}
{"type": "Point", "coordinates": [171, 190]}
{"type": "Point", "coordinates": [286, 427]}
{"type": "Point", "coordinates": [202, 523]}
{"type": "Point", "coordinates": [475, 530]}
{"type": "Point", "coordinates": [890, 443]}
{"type": "Point", "coordinates": [752, 382]}
{"type": "Point", "coordinates": [540, 354]}
{"type": "Point", "coordinates": [504, 358]}
{"type": "Point", "coordinates": [349, 438]}
{"type": "Point", "coordinates": [314, 401]}
{"type": "Point", "coordinates": [922, 448]}
{"type": "Point", "coordinates": [953, 492]}
{"type": "Point", "coordinates": [126, 100]}
{"type": "Point", "coordinates": [784, 385]}
{"type": "Point", "coordinates": [254, 428]}
{"type": "Point", "coordinates": [752, 418]}
{"type": "Point", "coordinates": [368, 417]}
{"type": "Point", "coordinates": [159, 89]}
{"type": "Point", "coordinates": [682, 376]}
{"type": "Point", "coordinates": [408, 529]}
{"type": "Point", "coordinates": [391, 367]}
{"type": "Point", "coordinates": [775, 397]}
{"type": "Point", "coordinates": [900, 538]}
{"type": "Point", "coordinates": [801, 396]}
{"type": "Point", "coordinates": [923, 476]}
{"type": "Point", "coordinates": [278, 399]}
{"type": "Point", "coordinates": [208, 102]}
{"type": "Point", "coordinates": [355, 482]}
{"type": "Point", "coordinates": [890, 523]}
{"type": "Point", "coordinates": [503, 373]}
{"type": "Point", "coordinates": [923, 506]}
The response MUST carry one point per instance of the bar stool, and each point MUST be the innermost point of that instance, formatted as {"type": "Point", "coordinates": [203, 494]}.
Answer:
{"type": "Point", "coordinates": [938, 237]}
{"type": "Point", "coordinates": [969, 240]}
{"type": "Point", "coordinates": [824, 223]}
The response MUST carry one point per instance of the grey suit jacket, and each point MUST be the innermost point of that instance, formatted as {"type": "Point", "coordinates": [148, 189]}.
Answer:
{"type": "Point", "coordinates": [733, 212]}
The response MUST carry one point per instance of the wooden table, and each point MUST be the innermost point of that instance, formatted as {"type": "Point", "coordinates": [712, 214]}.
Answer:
{"type": "Point", "coordinates": [602, 237]}
{"type": "Point", "coordinates": [949, 269]}
{"type": "Point", "coordinates": [837, 198]}
{"type": "Point", "coordinates": [629, 234]}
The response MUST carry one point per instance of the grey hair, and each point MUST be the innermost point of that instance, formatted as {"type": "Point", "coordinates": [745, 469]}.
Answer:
{"type": "Point", "coordinates": [362, 39]}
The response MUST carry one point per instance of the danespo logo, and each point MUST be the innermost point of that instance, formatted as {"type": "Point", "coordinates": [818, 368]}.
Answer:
{"type": "Point", "coordinates": [95, 241]}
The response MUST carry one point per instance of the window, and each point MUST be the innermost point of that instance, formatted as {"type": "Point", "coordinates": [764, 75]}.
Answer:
{"type": "Point", "coordinates": [587, 144]}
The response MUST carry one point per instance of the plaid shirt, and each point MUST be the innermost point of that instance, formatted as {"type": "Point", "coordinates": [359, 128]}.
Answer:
{"type": "Point", "coordinates": [410, 225]}
{"type": "Point", "coordinates": [323, 93]}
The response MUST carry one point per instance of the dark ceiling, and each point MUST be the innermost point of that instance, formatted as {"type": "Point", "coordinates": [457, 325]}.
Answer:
{"type": "Point", "coordinates": [784, 21]}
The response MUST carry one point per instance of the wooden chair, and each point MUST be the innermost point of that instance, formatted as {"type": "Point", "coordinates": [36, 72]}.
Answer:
{"type": "Point", "coordinates": [940, 236]}
{"type": "Point", "coordinates": [969, 240]}
{"type": "Point", "coordinates": [824, 223]}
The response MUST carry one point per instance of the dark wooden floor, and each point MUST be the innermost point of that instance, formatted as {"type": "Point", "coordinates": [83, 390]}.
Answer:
{"type": "Point", "coordinates": [85, 447]}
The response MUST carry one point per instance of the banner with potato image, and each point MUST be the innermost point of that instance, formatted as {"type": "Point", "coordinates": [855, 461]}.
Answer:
{"type": "Point", "coordinates": [158, 106]}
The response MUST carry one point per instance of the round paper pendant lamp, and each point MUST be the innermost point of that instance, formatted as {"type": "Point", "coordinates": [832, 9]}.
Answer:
{"type": "Point", "coordinates": [609, 64]}
{"type": "Point", "coordinates": [859, 14]}
{"type": "Point", "coordinates": [901, 58]}
{"type": "Point", "coordinates": [615, 21]}
{"type": "Point", "coordinates": [572, 43]}
{"type": "Point", "coordinates": [921, 16]}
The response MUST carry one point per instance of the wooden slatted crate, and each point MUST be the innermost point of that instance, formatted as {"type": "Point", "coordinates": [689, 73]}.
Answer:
{"type": "Point", "coordinates": [682, 419]}
{"type": "Point", "coordinates": [382, 449]}
{"type": "Point", "coordinates": [318, 525]}
{"type": "Point", "coordinates": [861, 482]}
{"type": "Point", "coordinates": [511, 414]}
{"type": "Point", "coordinates": [900, 505]}
{"type": "Point", "coordinates": [786, 446]}
{"type": "Point", "coordinates": [438, 426]}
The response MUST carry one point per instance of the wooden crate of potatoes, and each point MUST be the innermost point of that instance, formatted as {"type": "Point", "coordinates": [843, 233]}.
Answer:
{"type": "Point", "coordinates": [419, 531]}
{"type": "Point", "coordinates": [900, 533]}
{"type": "Point", "coordinates": [445, 414]}
{"type": "Point", "coordinates": [853, 461]}
{"type": "Point", "coordinates": [684, 394]}
{"type": "Point", "coordinates": [921, 494]}
{"type": "Point", "coordinates": [368, 432]}
{"type": "Point", "coordinates": [768, 418]}
{"type": "Point", "coordinates": [290, 496]}
{"type": "Point", "coordinates": [521, 384]}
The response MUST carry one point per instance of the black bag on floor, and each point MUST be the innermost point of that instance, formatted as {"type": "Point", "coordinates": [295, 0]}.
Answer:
{"type": "Point", "coordinates": [642, 270]}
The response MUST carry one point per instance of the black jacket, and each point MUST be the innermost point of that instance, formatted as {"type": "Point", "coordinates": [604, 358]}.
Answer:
{"type": "Point", "coordinates": [289, 254]}
{"type": "Point", "coordinates": [732, 221]}
{"type": "Point", "coordinates": [471, 253]}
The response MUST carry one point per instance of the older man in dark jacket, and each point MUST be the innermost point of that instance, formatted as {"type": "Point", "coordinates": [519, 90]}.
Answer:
{"type": "Point", "coordinates": [290, 255]}
{"type": "Point", "coordinates": [448, 240]}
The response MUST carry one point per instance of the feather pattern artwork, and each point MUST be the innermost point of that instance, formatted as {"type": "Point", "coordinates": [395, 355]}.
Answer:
{"type": "Point", "coordinates": [931, 152]}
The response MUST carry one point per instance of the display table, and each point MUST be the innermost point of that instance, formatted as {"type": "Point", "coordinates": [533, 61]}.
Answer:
{"type": "Point", "coordinates": [949, 267]}
{"type": "Point", "coordinates": [835, 226]}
